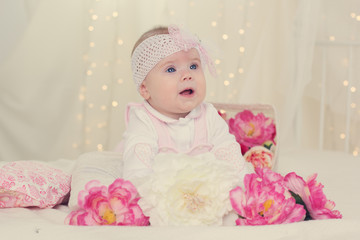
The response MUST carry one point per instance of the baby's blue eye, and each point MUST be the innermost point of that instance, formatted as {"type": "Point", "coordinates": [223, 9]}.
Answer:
{"type": "Point", "coordinates": [193, 66]}
{"type": "Point", "coordinates": [170, 70]}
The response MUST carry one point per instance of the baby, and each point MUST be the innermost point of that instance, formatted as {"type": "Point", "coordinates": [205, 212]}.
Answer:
{"type": "Point", "coordinates": [168, 70]}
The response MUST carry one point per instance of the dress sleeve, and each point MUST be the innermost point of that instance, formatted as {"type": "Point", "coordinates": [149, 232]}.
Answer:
{"type": "Point", "coordinates": [140, 144]}
{"type": "Point", "coordinates": [225, 146]}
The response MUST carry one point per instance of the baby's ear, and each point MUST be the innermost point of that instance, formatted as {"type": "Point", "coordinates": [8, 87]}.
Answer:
{"type": "Point", "coordinates": [143, 91]}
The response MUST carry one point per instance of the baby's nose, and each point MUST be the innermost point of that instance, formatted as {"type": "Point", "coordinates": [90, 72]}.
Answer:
{"type": "Point", "coordinates": [186, 75]}
{"type": "Point", "coordinates": [187, 78]}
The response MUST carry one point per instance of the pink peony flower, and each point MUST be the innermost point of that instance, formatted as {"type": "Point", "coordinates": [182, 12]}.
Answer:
{"type": "Point", "coordinates": [318, 206]}
{"type": "Point", "coordinates": [113, 205]}
{"type": "Point", "coordinates": [259, 157]}
{"type": "Point", "coordinates": [251, 130]}
{"type": "Point", "coordinates": [265, 200]}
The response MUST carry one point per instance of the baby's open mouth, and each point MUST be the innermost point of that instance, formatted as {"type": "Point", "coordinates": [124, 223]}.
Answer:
{"type": "Point", "coordinates": [188, 91]}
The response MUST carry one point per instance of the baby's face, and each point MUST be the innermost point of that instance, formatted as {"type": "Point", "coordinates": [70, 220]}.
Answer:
{"type": "Point", "coordinates": [176, 85]}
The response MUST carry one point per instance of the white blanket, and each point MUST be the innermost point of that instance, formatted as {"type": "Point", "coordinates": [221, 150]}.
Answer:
{"type": "Point", "coordinates": [337, 172]}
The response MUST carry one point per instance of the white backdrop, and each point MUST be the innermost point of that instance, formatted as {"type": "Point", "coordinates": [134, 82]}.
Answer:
{"type": "Point", "coordinates": [65, 67]}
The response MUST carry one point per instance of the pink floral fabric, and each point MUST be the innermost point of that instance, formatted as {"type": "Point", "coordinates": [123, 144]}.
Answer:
{"type": "Point", "coordinates": [30, 183]}
{"type": "Point", "coordinates": [113, 205]}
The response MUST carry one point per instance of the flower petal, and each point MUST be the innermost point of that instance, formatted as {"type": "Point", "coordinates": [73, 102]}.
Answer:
{"type": "Point", "coordinates": [237, 200]}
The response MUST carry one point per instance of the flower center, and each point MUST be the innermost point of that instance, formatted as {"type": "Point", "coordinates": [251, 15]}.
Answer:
{"type": "Point", "coordinates": [267, 204]}
{"type": "Point", "coordinates": [193, 201]}
{"type": "Point", "coordinates": [251, 130]}
{"type": "Point", "coordinates": [109, 216]}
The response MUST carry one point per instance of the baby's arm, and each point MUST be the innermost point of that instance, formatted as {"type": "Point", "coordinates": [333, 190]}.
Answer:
{"type": "Point", "coordinates": [225, 146]}
{"type": "Point", "coordinates": [140, 145]}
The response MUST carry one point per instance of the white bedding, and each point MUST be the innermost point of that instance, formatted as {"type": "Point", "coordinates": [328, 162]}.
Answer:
{"type": "Point", "coordinates": [337, 171]}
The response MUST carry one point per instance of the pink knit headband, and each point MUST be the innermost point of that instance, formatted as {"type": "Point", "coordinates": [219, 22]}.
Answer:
{"type": "Point", "coordinates": [157, 47]}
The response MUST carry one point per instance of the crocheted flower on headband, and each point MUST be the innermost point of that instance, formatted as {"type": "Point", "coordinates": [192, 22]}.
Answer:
{"type": "Point", "coordinates": [157, 47]}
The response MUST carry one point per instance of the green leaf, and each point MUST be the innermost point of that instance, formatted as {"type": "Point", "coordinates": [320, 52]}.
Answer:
{"type": "Point", "coordinates": [299, 200]}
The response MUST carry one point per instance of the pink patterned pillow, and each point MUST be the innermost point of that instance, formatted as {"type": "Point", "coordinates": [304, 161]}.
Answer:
{"type": "Point", "coordinates": [31, 183]}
